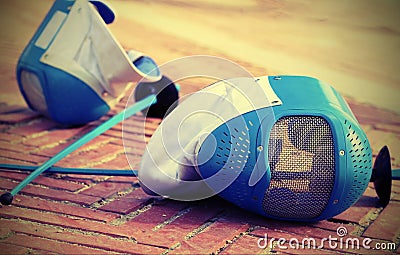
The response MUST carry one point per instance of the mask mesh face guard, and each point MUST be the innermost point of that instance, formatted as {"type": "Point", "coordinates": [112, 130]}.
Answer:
{"type": "Point", "coordinates": [73, 69]}
{"type": "Point", "coordinates": [304, 159]}
{"type": "Point", "coordinates": [302, 164]}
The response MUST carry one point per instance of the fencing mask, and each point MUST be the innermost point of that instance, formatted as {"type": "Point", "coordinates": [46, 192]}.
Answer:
{"type": "Point", "coordinates": [285, 147]}
{"type": "Point", "coordinates": [73, 69]}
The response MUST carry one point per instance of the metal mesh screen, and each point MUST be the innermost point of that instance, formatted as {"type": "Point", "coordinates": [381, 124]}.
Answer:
{"type": "Point", "coordinates": [33, 89]}
{"type": "Point", "coordinates": [302, 164]}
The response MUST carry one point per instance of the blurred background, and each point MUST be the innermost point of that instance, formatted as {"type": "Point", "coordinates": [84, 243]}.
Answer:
{"type": "Point", "coordinates": [352, 45]}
